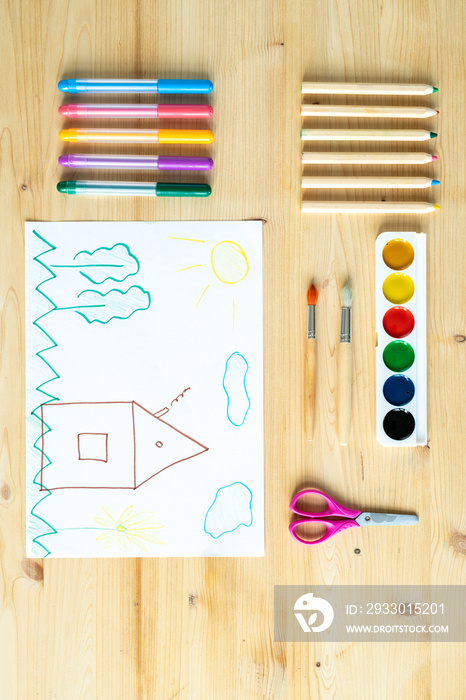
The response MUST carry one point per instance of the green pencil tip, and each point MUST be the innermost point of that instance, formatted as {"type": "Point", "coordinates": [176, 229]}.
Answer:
{"type": "Point", "coordinates": [433, 134]}
{"type": "Point", "coordinates": [434, 89]}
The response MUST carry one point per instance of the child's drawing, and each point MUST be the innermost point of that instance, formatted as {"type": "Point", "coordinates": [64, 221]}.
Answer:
{"type": "Point", "coordinates": [115, 303]}
{"type": "Point", "coordinates": [127, 530]}
{"type": "Point", "coordinates": [108, 445]}
{"type": "Point", "coordinates": [229, 264]}
{"type": "Point", "coordinates": [231, 508]}
{"type": "Point", "coordinates": [234, 385]}
{"type": "Point", "coordinates": [115, 263]}
{"type": "Point", "coordinates": [114, 333]}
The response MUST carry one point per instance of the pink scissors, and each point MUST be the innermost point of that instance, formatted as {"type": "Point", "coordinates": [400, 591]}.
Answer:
{"type": "Point", "coordinates": [342, 517]}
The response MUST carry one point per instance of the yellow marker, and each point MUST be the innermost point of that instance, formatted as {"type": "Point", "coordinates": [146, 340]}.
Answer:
{"type": "Point", "coordinates": [137, 135]}
{"type": "Point", "coordinates": [398, 288]}
{"type": "Point", "coordinates": [398, 254]}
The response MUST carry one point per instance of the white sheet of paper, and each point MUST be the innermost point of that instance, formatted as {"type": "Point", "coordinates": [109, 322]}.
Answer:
{"type": "Point", "coordinates": [144, 389]}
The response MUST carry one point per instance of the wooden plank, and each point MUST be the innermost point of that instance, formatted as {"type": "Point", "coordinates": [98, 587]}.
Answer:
{"type": "Point", "coordinates": [203, 628]}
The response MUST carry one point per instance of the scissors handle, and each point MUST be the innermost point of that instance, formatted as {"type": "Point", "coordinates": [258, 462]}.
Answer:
{"type": "Point", "coordinates": [332, 527]}
{"type": "Point", "coordinates": [334, 509]}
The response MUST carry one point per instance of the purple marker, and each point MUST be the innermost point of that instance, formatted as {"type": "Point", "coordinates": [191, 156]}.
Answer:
{"type": "Point", "coordinates": [96, 161]}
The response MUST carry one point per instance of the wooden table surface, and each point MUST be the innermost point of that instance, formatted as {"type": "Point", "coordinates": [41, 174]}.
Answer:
{"type": "Point", "coordinates": [202, 629]}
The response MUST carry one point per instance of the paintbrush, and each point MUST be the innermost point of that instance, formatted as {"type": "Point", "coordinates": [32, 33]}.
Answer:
{"type": "Point", "coordinates": [312, 296]}
{"type": "Point", "coordinates": [345, 367]}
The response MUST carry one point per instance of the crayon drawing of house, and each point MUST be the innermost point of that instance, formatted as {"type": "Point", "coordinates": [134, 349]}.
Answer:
{"type": "Point", "coordinates": [110, 445]}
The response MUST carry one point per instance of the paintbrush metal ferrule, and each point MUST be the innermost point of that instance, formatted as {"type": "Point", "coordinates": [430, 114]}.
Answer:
{"type": "Point", "coordinates": [311, 322]}
{"type": "Point", "coordinates": [345, 329]}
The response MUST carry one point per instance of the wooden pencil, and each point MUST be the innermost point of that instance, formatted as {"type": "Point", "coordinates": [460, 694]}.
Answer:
{"type": "Point", "coordinates": [337, 182]}
{"type": "Point", "coordinates": [366, 135]}
{"type": "Point", "coordinates": [368, 207]}
{"type": "Point", "coordinates": [366, 89]}
{"type": "Point", "coordinates": [367, 111]}
{"type": "Point", "coordinates": [358, 158]}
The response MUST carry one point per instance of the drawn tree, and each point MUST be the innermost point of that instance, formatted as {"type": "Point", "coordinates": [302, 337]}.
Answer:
{"type": "Point", "coordinates": [102, 308]}
{"type": "Point", "coordinates": [115, 263]}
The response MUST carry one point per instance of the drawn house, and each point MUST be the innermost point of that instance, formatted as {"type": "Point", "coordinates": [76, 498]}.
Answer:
{"type": "Point", "coordinates": [113, 445]}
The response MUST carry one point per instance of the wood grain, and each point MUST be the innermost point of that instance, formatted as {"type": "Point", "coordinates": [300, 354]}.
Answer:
{"type": "Point", "coordinates": [203, 629]}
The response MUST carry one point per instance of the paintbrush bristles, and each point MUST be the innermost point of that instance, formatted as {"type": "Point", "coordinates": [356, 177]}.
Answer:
{"type": "Point", "coordinates": [346, 296]}
{"type": "Point", "coordinates": [312, 295]}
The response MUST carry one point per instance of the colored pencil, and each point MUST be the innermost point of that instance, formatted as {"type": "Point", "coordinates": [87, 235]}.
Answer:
{"type": "Point", "coordinates": [338, 182]}
{"type": "Point", "coordinates": [311, 351]}
{"type": "Point", "coordinates": [366, 89]}
{"type": "Point", "coordinates": [345, 367]}
{"type": "Point", "coordinates": [367, 111]}
{"type": "Point", "coordinates": [366, 135]}
{"type": "Point", "coordinates": [368, 207]}
{"type": "Point", "coordinates": [349, 158]}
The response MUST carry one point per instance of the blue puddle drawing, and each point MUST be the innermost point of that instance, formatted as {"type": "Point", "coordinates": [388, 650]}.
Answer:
{"type": "Point", "coordinates": [234, 384]}
{"type": "Point", "coordinates": [231, 508]}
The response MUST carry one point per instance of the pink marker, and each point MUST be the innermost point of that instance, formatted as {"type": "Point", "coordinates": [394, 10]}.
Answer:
{"type": "Point", "coordinates": [137, 111]}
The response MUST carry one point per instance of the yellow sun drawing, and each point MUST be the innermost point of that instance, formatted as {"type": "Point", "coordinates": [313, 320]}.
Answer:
{"type": "Point", "coordinates": [128, 530]}
{"type": "Point", "coordinates": [229, 264]}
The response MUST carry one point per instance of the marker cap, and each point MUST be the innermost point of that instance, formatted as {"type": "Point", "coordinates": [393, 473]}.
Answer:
{"type": "Point", "coordinates": [64, 161]}
{"type": "Point", "coordinates": [176, 189]}
{"type": "Point", "coordinates": [67, 186]}
{"type": "Point", "coordinates": [185, 136]}
{"type": "Point", "coordinates": [69, 86]}
{"type": "Point", "coordinates": [184, 86]}
{"type": "Point", "coordinates": [68, 110]}
{"type": "Point", "coordinates": [185, 111]}
{"type": "Point", "coordinates": [69, 135]}
{"type": "Point", "coordinates": [180, 163]}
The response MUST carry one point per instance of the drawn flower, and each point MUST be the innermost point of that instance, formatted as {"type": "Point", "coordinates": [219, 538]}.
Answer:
{"type": "Point", "coordinates": [128, 530]}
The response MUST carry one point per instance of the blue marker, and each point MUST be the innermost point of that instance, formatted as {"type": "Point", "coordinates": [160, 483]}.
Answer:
{"type": "Point", "coordinates": [155, 86]}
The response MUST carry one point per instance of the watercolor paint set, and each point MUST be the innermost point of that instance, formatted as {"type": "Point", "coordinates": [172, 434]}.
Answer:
{"type": "Point", "coordinates": [401, 369]}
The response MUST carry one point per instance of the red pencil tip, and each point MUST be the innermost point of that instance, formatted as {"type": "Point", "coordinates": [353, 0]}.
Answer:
{"type": "Point", "coordinates": [312, 295]}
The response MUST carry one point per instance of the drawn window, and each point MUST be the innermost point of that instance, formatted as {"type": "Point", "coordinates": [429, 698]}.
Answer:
{"type": "Point", "coordinates": [93, 446]}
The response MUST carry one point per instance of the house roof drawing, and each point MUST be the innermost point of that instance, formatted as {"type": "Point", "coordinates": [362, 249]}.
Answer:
{"type": "Point", "coordinates": [108, 445]}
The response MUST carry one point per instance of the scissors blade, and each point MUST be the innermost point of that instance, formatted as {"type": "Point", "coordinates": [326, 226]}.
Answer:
{"type": "Point", "coordinates": [386, 519]}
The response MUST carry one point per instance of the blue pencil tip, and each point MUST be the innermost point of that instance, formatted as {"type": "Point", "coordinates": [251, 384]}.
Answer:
{"type": "Point", "coordinates": [435, 182]}
{"type": "Point", "coordinates": [63, 85]}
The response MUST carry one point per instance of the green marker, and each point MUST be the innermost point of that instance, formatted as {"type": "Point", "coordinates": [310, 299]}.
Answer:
{"type": "Point", "coordinates": [135, 189]}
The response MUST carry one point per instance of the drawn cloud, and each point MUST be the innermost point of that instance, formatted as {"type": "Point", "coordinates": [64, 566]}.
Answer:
{"type": "Point", "coordinates": [116, 263]}
{"type": "Point", "coordinates": [234, 384]}
{"type": "Point", "coordinates": [231, 508]}
{"type": "Point", "coordinates": [102, 308]}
